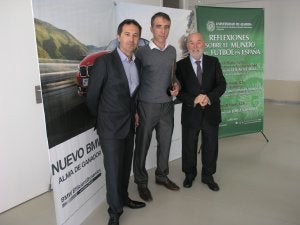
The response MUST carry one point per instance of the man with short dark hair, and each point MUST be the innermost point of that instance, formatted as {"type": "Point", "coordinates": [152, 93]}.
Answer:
{"type": "Point", "coordinates": [155, 105]}
{"type": "Point", "coordinates": [111, 97]}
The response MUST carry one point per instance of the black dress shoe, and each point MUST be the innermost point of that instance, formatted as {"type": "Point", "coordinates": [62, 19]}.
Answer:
{"type": "Point", "coordinates": [188, 182]}
{"type": "Point", "coordinates": [113, 220]}
{"type": "Point", "coordinates": [134, 204]}
{"type": "Point", "coordinates": [210, 183]}
{"type": "Point", "coordinates": [145, 193]}
{"type": "Point", "coordinates": [168, 184]}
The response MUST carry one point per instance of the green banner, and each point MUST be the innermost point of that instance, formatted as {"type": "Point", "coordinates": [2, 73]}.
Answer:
{"type": "Point", "coordinates": [236, 37]}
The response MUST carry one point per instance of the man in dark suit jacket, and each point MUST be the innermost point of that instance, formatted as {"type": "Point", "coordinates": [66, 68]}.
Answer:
{"type": "Point", "coordinates": [202, 84]}
{"type": "Point", "coordinates": [111, 97]}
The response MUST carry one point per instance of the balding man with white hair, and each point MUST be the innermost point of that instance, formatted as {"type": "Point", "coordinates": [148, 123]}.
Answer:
{"type": "Point", "coordinates": [202, 84]}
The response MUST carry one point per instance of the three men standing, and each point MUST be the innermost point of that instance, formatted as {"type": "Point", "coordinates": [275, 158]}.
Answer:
{"type": "Point", "coordinates": [112, 97]}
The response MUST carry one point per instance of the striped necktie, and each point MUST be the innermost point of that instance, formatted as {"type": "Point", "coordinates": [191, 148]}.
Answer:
{"type": "Point", "coordinates": [199, 72]}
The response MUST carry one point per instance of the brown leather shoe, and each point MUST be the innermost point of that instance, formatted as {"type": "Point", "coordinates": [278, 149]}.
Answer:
{"type": "Point", "coordinates": [168, 184]}
{"type": "Point", "coordinates": [145, 193]}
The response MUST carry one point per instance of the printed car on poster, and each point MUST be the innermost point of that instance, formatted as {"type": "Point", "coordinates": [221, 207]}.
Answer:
{"type": "Point", "coordinates": [86, 65]}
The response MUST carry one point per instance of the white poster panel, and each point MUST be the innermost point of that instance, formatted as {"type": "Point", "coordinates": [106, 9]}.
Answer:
{"type": "Point", "coordinates": [77, 177]}
{"type": "Point", "coordinates": [66, 31]}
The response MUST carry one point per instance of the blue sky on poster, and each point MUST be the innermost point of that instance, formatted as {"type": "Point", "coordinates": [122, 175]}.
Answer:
{"type": "Point", "coordinates": [90, 21]}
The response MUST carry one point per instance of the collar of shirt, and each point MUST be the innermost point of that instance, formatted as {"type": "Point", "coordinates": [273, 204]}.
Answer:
{"type": "Point", "coordinates": [130, 71]}
{"type": "Point", "coordinates": [124, 57]}
{"type": "Point", "coordinates": [194, 60]}
{"type": "Point", "coordinates": [152, 46]}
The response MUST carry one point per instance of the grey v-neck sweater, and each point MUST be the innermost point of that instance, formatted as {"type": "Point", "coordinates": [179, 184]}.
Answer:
{"type": "Point", "coordinates": [156, 73]}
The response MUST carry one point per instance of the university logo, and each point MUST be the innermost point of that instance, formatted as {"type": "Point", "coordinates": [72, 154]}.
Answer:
{"type": "Point", "coordinates": [210, 26]}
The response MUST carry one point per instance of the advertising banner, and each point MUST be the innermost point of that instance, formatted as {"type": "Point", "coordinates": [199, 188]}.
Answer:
{"type": "Point", "coordinates": [66, 32]}
{"type": "Point", "coordinates": [236, 37]}
{"type": "Point", "coordinates": [77, 177]}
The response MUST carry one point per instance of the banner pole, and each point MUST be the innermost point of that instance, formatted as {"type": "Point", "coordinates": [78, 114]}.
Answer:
{"type": "Point", "coordinates": [264, 136]}
{"type": "Point", "coordinates": [50, 183]}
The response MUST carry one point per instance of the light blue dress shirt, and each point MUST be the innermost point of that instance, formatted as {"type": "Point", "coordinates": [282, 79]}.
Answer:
{"type": "Point", "coordinates": [130, 70]}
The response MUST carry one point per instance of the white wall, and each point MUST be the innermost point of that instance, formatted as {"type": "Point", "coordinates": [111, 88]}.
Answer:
{"type": "Point", "coordinates": [145, 2]}
{"type": "Point", "coordinates": [24, 166]}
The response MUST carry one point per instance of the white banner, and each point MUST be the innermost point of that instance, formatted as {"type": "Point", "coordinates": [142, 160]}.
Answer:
{"type": "Point", "coordinates": [65, 33]}
{"type": "Point", "coordinates": [77, 177]}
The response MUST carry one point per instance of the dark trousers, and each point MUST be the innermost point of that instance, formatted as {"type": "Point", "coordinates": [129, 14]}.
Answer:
{"type": "Point", "coordinates": [209, 149]}
{"type": "Point", "coordinates": [117, 163]}
{"type": "Point", "coordinates": [158, 116]}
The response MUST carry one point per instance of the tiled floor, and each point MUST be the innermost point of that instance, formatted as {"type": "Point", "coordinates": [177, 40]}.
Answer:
{"type": "Point", "coordinates": [259, 181]}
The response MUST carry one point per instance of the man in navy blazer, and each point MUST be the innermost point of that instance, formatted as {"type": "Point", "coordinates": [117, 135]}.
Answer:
{"type": "Point", "coordinates": [111, 97]}
{"type": "Point", "coordinates": [202, 84]}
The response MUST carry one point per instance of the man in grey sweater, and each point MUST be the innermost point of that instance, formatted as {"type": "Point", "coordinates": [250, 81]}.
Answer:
{"type": "Point", "coordinates": [155, 107]}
